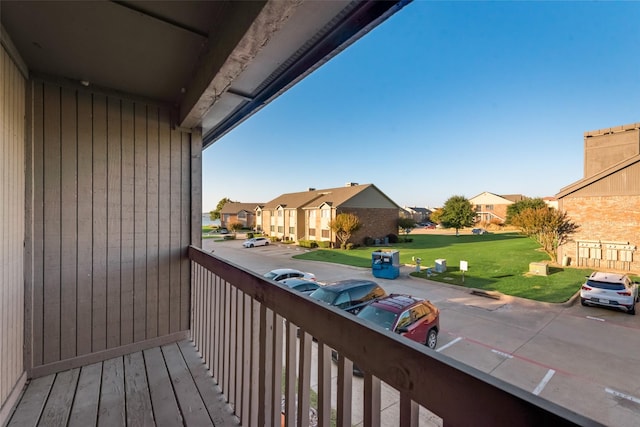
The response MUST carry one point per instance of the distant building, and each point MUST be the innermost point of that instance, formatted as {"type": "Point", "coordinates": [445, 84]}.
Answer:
{"type": "Point", "coordinates": [491, 206]}
{"type": "Point", "coordinates": [306, 215]}
{"type": "Point", "coordinates": [244, 213]}
{"type": "Point", "coordinates": [606, 202]}
{"type": "Point", "coordinates": [416, 213]}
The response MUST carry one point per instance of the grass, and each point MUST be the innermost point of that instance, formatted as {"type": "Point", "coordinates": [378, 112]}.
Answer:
{"type": "Point", "coordinates": [496, 262]}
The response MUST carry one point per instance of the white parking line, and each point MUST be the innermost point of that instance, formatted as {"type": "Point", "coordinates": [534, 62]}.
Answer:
{"type": "Point", "coordinates": [622, 395]}
{"type": "Point", "coordinates": [449, 344]}
{"type": "Point", "coordinates": [595, 318]}
{"type": "Point", "coordinates": [544, 382]}
{"type": "Point", "coordinates": [502, 353]}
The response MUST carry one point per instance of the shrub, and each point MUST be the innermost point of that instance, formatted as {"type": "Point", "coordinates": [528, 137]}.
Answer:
{"type": "Point", "coordinates": [307, 243]}
{"type": "Point", "coordinates": [229, 237]}
{"type": "Point", "coordinates": [393, 238]}
{"type": "Point", "coordinates": [323, 244]}
{"type": "Point", "coordinates": [249, 235]}
{"type": "Point", "coordinates": [349, 246]}
{"type": "Point", "coordinates": [368, 241]}
{"type": "Point", "coordinates": [343, 245]}
{"type": "Point", "coordinates": [274, 239]}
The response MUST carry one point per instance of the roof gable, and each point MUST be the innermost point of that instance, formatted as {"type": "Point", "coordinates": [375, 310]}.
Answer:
{"type": "Point", "coordinates": [487, 198]}
{"type": "Point", "coordinates": [609, 172]}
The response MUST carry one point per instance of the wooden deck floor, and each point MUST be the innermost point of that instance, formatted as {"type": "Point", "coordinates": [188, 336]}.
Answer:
{"type": "Point", "coordinates": [162, 386]}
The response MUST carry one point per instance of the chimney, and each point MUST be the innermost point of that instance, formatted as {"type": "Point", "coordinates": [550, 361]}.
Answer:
{"type": "Point", "coordinates": [311, 189]}
{"type": "Point", "coordinates": [351, 184]}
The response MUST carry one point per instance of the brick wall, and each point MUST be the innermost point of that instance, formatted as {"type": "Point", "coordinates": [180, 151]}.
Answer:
{"type": "Point", "coordinates": [605, 219]}
{"type": "Point", "coordinates": [376, 223]}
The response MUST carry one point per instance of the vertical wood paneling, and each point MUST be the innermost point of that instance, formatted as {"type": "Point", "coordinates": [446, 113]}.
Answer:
{"type": "Point", "coordinates": [69, 218]}
{"type": "Point", "coordinates": [140, 224]}
{"type": "Point", "coordinates": [174, 230]}
{"type": "Point", "coordinates": [127, 224]}
{"type": "Point", "coordinates": [164, 222]}
{"type": "Point", "coordinates": [111, 211]}
{"type": "Point", "coordinates": [114, 216]}
{"type": "Point", "coordinates": [52, 259]}
{"type": "Point", "coordinates": [38, 226]}
{"type": "Point", "coordinates": [185, 226]}
{"type": "Point", "coordinates": [99, 215]}
{"type": "Point", "coordinates": [12, 206]}
{"type": "Point", "coordinates": [152, 222]}
{"type": "Point", "coordinates": [85, 224]}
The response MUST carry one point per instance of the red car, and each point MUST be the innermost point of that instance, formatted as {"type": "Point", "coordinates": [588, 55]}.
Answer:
{"type": "Point", "coordinates": [412, 317]}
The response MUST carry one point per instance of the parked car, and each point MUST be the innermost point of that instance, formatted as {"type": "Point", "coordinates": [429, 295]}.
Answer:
{"type": "Point", "coordinates": [306, 286]}
{"type": "Point", "coordinates": [286, 273]}
{"type": "Point", "coordinates": [351, 295]}
{"type": "Point", "coordinates": [610, 290]}
{"type": "Point", "coordinates": [222, 231]}
{"type": "Point", "coordinates": [411, 317]}
{"type": "Point", "coordinates": [256, 241]}
{"type": "Point", "coordinates": [479, 231]}
{"type": "Point", "coordinates": [430, 226]}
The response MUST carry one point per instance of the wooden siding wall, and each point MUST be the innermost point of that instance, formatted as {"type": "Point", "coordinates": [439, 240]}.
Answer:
{"type": "Point", "coordinates": [12, 185]}
{"type": "Point", "coordinates": [111, 214]}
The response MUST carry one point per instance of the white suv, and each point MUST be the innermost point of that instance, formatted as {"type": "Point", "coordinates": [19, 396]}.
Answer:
{"type": "Point", "coordinates": [610, 290]}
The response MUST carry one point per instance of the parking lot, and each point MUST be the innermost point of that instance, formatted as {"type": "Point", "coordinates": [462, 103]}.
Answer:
{"type": "Point", "coordinates": [583, 358]}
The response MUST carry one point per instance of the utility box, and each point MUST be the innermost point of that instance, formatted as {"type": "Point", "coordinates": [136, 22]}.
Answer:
{"type": "Point", "coordinates": [441, 265]}
{"type": "Point", "coordinates": [385, 264]}
{"type": "Point", "coordinates": [539, 268]}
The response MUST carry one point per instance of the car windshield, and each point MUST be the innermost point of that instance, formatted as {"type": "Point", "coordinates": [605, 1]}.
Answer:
{"type": "Point", "coordinates": [384, 318]}
{"type": "Point", "coordinates": [324, 295]}
{"type": "Point", "coordinates": [606, 285]}
{"type": "Point", "coordinates": [271, 275]}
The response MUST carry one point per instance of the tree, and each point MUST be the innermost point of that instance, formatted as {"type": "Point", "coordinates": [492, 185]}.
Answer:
{"type": "Point", "coordinates": [215, 214]}
{"type": "Point", "coordinates": [406, 225]}
{"type": "Point", "coordinates": [548, 226]}
{"type": "Point", "coordinates": [457, 213]}
{"type": "Point", "coordinates": [435, 216]}
{"type": "Point", "coordinates": [517, 207]}
{"type": "Point", "coordinates": [235, 226]}
{"type": "Point", "coordinates": [344, 225]}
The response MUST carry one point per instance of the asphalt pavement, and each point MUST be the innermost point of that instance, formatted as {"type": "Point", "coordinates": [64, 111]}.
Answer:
{"type": "Point", "coordinates": [583, 358]}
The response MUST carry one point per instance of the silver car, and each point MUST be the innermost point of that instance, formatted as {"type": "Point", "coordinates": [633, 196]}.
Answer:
{"type": "Point", "coordinates": [256, 241]}
{"type": "Point", "coordinates": [610, 290]}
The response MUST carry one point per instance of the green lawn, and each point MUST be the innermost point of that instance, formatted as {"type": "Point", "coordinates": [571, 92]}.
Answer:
{"type": "Point", "coordinates": [497, 262]}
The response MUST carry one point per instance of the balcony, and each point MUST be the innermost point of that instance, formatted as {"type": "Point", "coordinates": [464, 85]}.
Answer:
{"type": "Point", "coordinates": [249, 364]}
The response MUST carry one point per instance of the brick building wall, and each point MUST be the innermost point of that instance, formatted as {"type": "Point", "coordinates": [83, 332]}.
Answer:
{"type": "Point", "coordinates": [376, 223]}
{"type": "Point", "coordinates": [605, 219]}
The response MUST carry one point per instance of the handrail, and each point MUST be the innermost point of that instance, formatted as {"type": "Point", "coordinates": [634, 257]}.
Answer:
{"type": "Point", "coordinates": [458, 393]}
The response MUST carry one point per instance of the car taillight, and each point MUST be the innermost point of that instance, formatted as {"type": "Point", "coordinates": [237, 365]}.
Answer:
{"type": "Point", "coordinates": [625, 293]}
{"type": "Point", "coordinates": [585, 288]}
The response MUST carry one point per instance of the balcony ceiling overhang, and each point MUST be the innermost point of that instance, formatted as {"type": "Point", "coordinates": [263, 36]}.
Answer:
{"type": "Point", "coordinates": [216, 63]}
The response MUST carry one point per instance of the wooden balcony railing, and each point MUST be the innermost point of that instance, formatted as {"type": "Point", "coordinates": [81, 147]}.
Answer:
{"type": "Point", "coordinates": [246, 330]}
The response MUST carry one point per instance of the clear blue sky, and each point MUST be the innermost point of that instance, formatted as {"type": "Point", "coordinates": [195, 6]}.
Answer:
{"type": "Point", "coordinates": [442, 99]}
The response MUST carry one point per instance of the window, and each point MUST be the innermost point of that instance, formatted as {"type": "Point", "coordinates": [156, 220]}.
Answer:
{"type": "Point", "coordinates": [272, 228]}
{"type": "Point", "coordinates": [326, 233]}
{"type": "Point", "coordinates": [404, 320]}
{"type": "Point", "coordinates": [292, 230]}
{"type": "Point", "coordinates": [259, 213]}
{"type": "Point", "coordinates": [280, 229]}
{"type": "Point", "coordinates": [312, 215]}
{"type": "Point", "coordinates": [326, 213]}
{"type": "Point", "coordinates": [280, 212]}
{"type": "Point", "coordinates": [292, 213]}
{"type": "Point", "coordinates": [242, 215]}
{"type": "Point", "coordinates": [489, 207]}
{"type": "Point", "coordinates": [312, 232]}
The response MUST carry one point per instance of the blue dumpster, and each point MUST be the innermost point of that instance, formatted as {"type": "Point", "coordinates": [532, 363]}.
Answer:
{"type": "Point", "coordinates": [385, 264]}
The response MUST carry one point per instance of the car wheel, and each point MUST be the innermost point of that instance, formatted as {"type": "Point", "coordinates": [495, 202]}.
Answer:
{"type": "Point", "coordinates": [251, 245]}
{"type": "Point", "coordinates": [583, 302]}
{"type": "Point", "coordinates": [432, 339]}
{"type": "Point", "coordinates": [632, 310]}
{"type": "Point", "coordinates": [266, 243]}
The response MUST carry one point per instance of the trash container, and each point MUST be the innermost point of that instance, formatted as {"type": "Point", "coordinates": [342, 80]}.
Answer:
{"type": "Point", "coordinates": [441, 265]}
{"type": "Point", "coordinates": [385, 264]}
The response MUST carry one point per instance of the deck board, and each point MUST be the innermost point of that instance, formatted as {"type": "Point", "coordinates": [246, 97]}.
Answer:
{"type": "Point", "coordinates": [112, 397]}
{"type": "Point", "coordinates": [165, 386]}
{"type": "Point", "coordinates": [139, 409]}
{"type": "Point", "coordinates": [56, 411]}
{"type": "Point", "coordinates": [85, 406]}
